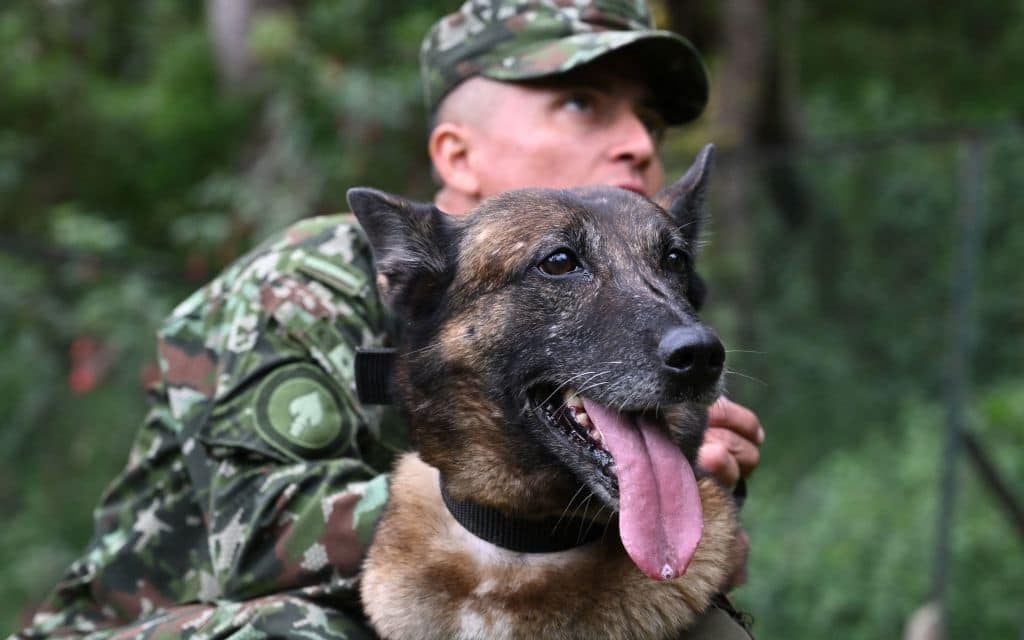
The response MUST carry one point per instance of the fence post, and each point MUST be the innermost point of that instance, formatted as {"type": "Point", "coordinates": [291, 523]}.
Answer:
{"type": "Point", "coordinates": [972, 166]}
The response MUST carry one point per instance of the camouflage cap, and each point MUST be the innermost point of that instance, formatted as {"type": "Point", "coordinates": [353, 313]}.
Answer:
{"type": "Point", "coordinates": [519, 40]}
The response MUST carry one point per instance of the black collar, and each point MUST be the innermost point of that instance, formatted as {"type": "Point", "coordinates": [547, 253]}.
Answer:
{"type": "Point", "coordinates": [524, 535]}
{"type": "Point", "coordinates": [373, 374]}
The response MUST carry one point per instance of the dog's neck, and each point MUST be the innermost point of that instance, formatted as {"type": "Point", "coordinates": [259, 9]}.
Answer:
{"type": "Point", "coordinates": [426, 576]}
{"type": "Point", "coordinates": [523, 535]}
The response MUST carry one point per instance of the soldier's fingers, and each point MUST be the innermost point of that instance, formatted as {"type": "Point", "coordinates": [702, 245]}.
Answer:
{"type": "Point", "coordinates": [745, 452]}
{"type": "Point", "coordinates": [726, 414]}
{"type": "Point", "coordinates": [715, 458]}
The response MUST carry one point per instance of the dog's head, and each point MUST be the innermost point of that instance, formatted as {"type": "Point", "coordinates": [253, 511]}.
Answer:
{"type": "Point", "coordinates": [550, 339]}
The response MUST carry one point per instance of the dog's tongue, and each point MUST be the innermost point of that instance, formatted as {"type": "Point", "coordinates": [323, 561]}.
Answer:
{"type": "Point", "coordinates": [660, 516]}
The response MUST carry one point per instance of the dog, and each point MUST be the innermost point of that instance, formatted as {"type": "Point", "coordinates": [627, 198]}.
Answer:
{"type": "Point", "coordinates": [556, 380]}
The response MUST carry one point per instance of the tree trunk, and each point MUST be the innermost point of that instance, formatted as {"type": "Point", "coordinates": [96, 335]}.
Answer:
{"type": "Point", "coordinates": [228, 22]}
{"type": "Point", "coordinates": [695, 20]}
{"type": "Point", "coordinates": [736, 99]}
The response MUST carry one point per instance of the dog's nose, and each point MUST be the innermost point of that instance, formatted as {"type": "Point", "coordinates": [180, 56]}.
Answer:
{"type": "Point", "coordinates": [692, 354]}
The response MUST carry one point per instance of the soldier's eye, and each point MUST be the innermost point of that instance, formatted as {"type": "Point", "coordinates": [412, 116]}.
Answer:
{"type": "Point", "coordinates": [653, 122]}
{"type": "Point", "coordinates": [580, 100]}
{"type": "Point", "coordinates": [676, 261]}
{"type": "Point", "coordinates": [560, 263]}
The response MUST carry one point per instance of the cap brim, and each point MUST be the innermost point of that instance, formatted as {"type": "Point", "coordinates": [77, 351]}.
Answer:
{"type": "Point", "coordinates": [673, 67]}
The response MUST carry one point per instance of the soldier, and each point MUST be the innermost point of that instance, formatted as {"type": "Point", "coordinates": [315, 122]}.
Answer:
{"type": "Point", "coordinates": [253, 486]}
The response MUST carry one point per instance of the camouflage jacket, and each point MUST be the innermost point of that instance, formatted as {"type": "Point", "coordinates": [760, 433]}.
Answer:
{"type": "Point", "coordinates": [253, 486]}
{"type": "Point", "coordinates": [257, 472]}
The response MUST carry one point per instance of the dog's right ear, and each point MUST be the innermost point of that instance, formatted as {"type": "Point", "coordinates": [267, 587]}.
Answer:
{"type": "Point", "coordinates": [411, 244]}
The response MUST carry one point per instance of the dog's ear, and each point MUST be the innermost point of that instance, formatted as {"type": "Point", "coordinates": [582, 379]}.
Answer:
{"type": "Point", "coordinates": [696, 291]}
{"type": "Point", "coordinates": [411, 244]}
{"type": "Point", "coordinates": [684, 200]}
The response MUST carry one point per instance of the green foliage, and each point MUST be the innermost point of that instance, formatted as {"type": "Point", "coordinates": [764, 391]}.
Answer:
{"type": "Point", "coordinates": [888, 65]}
{"type": "Point", "coordinates": [62, 330]}
{"type": "Point", "coordinates": [851, 545]}
{"type": "Point", "coordinates": [86, 119]}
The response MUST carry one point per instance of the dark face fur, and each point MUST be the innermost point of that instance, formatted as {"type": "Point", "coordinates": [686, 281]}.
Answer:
{"type": "Point", "coordinates": [535, 298]}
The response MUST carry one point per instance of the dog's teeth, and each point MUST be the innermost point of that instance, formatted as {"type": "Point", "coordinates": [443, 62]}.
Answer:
{"type": "Point", "coordinates": [595, 435]}
{"type": "Point", "coordinates": [583, 419]}
{"type": "Point", "coordinates": [572, 399]}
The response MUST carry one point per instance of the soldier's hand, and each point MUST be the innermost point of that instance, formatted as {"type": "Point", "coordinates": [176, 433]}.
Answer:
{"type": "Point", "coordinates": [731, 448]}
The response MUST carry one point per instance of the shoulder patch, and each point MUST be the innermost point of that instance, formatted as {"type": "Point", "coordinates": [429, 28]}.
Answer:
{"type": "Point", "coordinates": [299, 411]}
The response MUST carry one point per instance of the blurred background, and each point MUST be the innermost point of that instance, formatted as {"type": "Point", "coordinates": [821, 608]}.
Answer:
{"type": "Point", "coordinates": [864, 254]}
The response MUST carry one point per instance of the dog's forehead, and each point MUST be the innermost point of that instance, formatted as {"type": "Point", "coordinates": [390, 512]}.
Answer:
{"type": "Point", "coordinates": [531, 214]}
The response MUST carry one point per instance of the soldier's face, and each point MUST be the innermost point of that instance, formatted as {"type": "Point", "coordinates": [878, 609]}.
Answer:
{"type": "Point", "coordinates": [582, 129]}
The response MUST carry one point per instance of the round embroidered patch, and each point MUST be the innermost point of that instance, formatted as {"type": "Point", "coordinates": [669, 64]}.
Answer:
{"type": "Point", "coordinates": [299, 411]}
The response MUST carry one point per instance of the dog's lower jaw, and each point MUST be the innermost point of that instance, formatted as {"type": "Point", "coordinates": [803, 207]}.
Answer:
{"type": "Point", "coordinates": [427, 577]}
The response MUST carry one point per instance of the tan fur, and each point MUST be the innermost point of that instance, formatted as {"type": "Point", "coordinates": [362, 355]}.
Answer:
{"type": "Point", "coordinates": [489, 257]}
{"type": "Point", "coordinates": [504, 485]}
{"type": "Point", "coordinates": [427, 577]}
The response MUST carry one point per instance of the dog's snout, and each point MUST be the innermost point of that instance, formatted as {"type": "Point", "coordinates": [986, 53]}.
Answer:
{"type": "Point", "coordinates": [693, 354]}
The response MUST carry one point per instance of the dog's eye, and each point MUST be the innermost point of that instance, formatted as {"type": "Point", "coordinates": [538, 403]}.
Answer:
{"type": "Point", "coordinates": [675, 261]}
{"type": "Point", "coordinates": [559, 263]}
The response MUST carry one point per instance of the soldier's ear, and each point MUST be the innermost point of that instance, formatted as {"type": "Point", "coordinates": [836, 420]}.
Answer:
{"type": "Point", "coordinates": [413, 244]}
{"type": "Point", "coordinates": [684, 200]}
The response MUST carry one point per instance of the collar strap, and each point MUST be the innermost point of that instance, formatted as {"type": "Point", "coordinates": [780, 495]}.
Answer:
{"type": "Point", "coordinates": [524, 535]}
{"type": "Point", "coordinates": [373, 374]}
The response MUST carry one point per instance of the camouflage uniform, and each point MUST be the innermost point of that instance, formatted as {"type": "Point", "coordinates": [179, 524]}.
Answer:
{"type": "Point", "coordinates": [252, 488]}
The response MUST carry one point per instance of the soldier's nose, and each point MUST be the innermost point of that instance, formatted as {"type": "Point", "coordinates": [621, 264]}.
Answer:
{"type": "Point", "coordinates": [693, 354]}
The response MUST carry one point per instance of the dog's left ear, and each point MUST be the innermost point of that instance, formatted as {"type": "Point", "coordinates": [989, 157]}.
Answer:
{"type": "Point", "coordinates": [410, 242]}
{"type": "Point", "coordinates": [684, 200]}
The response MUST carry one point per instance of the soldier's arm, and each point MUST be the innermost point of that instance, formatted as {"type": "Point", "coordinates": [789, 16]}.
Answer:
{"type": "Point", "coordinates": [277, 445]}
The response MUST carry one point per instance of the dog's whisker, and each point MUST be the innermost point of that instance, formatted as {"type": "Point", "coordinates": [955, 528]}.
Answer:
{"type": "Point", "coordinates": [593, 374]}
{"type": "Point", "coordinates": [579, 535]}
{"type": "Point", "coordinates": [583, 505]}
{"type": "Point", "coordinates": [596, 374]}
{"type": "Point", "coordinates": [566, 509]}
{"type": "Point", "coordinates": [592, 521]}
{"type": "Point", "coordinates": [730, 372]}
{"type": "Point", "coordinates": [585, 386]}
{"type": "Point", "coordinates": [421, 350]}
{"type": "Point", "coordinates": [605, 531]}
{"type": "Point", "coordinates": [594, 385]}
{"type": "Point", "coordinates": [686, 224]}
